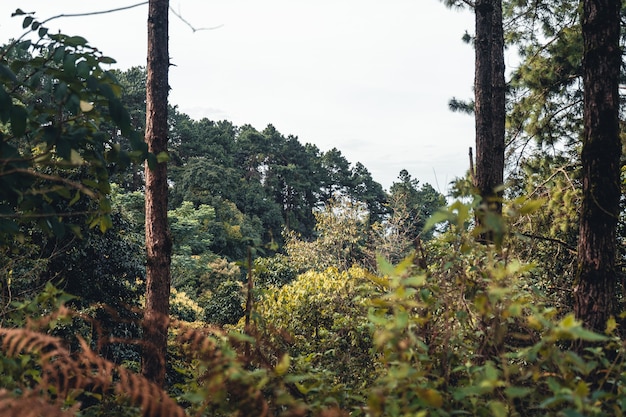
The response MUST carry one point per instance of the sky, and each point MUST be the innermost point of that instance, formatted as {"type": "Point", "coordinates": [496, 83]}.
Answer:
{"type": "Point", "coordinates": [371, 78]}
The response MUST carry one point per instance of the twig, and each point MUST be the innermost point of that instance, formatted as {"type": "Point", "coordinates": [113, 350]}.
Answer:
{"type": "Point", "coordinates": [471, 161]}
{"type": "Point", "coordinates": [73, 184]}
{"type": "Point", "coordinates": [119, 9]}
{"type": "Point", "coordinates": [194, 30]}
{"type": "Point", "coordinates": [549, 239]}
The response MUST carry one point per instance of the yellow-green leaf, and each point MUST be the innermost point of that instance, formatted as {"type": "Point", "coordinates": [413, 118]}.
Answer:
{"type": "Point", "coordinates": [532, 206]}
{"type": "Point", "coordinates": [432, 398]}
{"type": "Point", "coordinates": [283, 366]}
{"type": "Point", "coordinates": [86, 106]}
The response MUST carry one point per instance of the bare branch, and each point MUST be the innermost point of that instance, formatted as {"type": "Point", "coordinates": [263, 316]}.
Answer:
{"type": "Point", "coordinates": [194, 29]}
{"type": "Point", "coordinates": [54, 178]}
{"type": "Point", "coordinates": [94, 13]}
{"type": "Point", "coordinates": [566, 245]}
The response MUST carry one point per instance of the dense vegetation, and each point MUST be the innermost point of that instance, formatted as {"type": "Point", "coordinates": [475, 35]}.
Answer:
{"type": "Point", "coordinates": [299, 286]}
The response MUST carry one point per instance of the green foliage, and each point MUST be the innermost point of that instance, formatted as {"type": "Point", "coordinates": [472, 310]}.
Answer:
{"type": "Point", "coordinates": [472, 335]}
{"type": "Point", "coordinates": [224, 305]}
{"type": "Point", "coordinates": [319, 320]}
{"type": "Point", "coordinates": [273, 271]}
{"type": "Point", "coordinates": [414, 204]}
{"type": "Point", "coordinates": [341, 230]}
{"type": "Point", "coordinates": [184, 308]}
{"type": "Point", "coordinates": [54, 98]}
{"type": "Point", "coordinates": [549, 236]}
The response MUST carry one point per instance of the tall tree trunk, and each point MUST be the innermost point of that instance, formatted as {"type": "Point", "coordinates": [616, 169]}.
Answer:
{"type": "Point", "coordinates": [489, 90]}
{"type": "Point", "coordinates": [498, 103]}
{"type": "Point", "coordinates": [158, 240]}
{"type": "Point", "coordinates": [596, 282]}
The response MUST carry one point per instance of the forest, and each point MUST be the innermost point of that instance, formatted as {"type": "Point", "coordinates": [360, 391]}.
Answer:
{"type": "Point", "coordinates": [157, 265]}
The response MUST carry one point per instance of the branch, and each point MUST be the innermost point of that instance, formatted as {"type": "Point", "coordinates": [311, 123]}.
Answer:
{"type": "Point", "coordinates": [45, 215]}
{"type": "Point", "coordinates": [549, 239]}
{"type": "Point", "coordinates": [179, 15]}
{"type": "Point", "coordinates": [94, 13]}
{"type": "Point", "coordinates": [73, 184]}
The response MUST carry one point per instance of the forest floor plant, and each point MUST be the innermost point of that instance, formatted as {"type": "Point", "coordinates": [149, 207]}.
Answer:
{"type": "Point", "coordinates": [468, 335]}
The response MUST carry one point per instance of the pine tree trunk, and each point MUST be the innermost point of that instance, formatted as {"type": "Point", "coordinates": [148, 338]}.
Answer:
{"type": "Point", "coordinates": [498, 103]}
{"type": "Point", "coordinates": [158, 240]}
{"type": "Point", "coordinates": [596, 282]}
{"type": "Point", "coordinates": [489, 90]}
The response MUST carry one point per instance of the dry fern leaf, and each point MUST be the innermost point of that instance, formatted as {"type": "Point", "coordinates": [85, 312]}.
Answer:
{"type": "Point", "coordinates": [16, 341]}
{"type": "Point", "coordinates": [83, 370]}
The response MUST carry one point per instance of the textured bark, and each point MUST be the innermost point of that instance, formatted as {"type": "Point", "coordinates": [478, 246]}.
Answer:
{"type": "Point", "coordinates": [158, 240]}
{"type": "Point", "coordinates": [498, 110]}
{"type": "Point", "coordinates": [596, 281]}
{"type": "Point", "coordinates": [489, 90]}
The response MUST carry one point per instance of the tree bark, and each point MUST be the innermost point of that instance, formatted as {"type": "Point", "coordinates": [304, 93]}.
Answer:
{"type": "Point", "coordinates": [158, 240]}
{"type": "Point", "coordinates": [596, 282]}
{"type": "Point", "coordinates": [489, 110]}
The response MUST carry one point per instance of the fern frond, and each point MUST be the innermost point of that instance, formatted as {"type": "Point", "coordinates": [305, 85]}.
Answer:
{"type": "Point", "coordinates": [64, 374]}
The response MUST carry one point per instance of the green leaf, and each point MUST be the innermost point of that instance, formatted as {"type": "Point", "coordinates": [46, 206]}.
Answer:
{"type": "Point", "coordinates": [105, 223]}
{"type": "Point", "coordinates": [8, 226]}
{"type": "Point", "coordinates": [385, 267]}
{"type": "Point", "coordinates": [498, 409]}
{"type": "Point", "coordinates": [83, 69]}
{"type": "Point", "coordinates": [60, 91]}
{"type": "Point", "coordinates": [532, 206]}
{"type": "Point", "coordinates": [119, 114]}
{"type": "Point", "coordinates": [439, 216]}
{"type": "Point", "coordinates": [5, 72]}
{"type": "Point", "coordinates": [106, 60]}
{"type": "Point", "coordinates": [18, 12]}
{"type": "Point", "coordinates": [18, 121]}
{"type": "Point", "coordinates": [63, 148]}
{"type": "Point", "coordinates": [42, 32]}
{"type": "Point", "coordinates": [5, 105]}
{"type": "Point", "coordinates": [588, 335]}
{"type": "Point", "coordinates": [69, 66]}
{"type": "Point", "coordinates": [283, 366]}
{"type": "Point", "coordinates": [75, 199]}
{"type": "Point", "coordinates": [27, 21]}
{"type": "Point", "coordinates": [76, 41]}
{"type": "Point", "coordinates": [58, 54]}
{"type": "Point", "coordinates": [152, 161]}
{"type": "Point", "coordinates": [163, 157]}
{"type": "Point", "coordinates": [517, 392]}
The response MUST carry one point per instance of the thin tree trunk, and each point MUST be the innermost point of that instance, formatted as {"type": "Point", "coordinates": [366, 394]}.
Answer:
{"type": "Point", "coordinates": [158, 240]}
{"type": "Point", "coordinates": [596, 283]}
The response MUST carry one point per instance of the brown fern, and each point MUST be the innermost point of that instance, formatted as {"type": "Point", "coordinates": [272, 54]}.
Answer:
{"type": "Point", "coordinates": [65, 374]}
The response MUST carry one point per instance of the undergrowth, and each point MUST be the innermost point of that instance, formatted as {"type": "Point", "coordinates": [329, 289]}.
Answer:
{"type": "Point", "coordinates": [470, 334]}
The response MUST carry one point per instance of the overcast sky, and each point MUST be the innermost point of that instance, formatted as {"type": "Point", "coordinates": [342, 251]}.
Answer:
{"type": "Point", "coordinates": [370, 77]}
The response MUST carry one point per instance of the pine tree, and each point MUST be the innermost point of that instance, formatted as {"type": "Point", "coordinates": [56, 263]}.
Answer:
{"type": "Point", "coordinates": [595, 289]}
{"type": "Point", "coordinates": [158, 240]}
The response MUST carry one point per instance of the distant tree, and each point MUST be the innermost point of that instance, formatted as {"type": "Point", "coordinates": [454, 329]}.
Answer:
{"type": "Point", "coordinates": [341, 237]}
{"type": "Point", "coordinates": [595, 289]}
{"type": "Point", "coordinates": [417, 203]}
{"type": "Point", "coordinates": [337, 175]}
{"type": "Point", "coordinates": [158, 240]}
{"type": "Point", "coordinates": [369, 192]}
